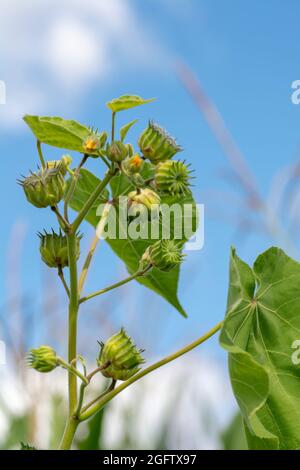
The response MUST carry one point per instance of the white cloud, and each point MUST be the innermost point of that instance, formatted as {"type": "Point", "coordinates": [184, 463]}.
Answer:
{"type": "Point", "coordinates": [73, 53]}
{"type": "Point", "coordinates": [54, 48]}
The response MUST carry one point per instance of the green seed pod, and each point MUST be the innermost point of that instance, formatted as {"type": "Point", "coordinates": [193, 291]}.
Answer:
{"type": "Point", "coordinates": [121, 357]}
{"type": "Point", "coordinates": [156, 144]}
{"type": "Point", "coordinates": [163, 255]}
{"type": "Point", "coordinates": [63, 164]}
{"type": "Point", "coordinates": [172, 177]}
{"type": "Point", "coordinates": [117, 151]}
{"type": "Point", "coordinates": [130, 149]}
{"type": "Point", "coordinates": [54, 249]}
{"type": "Point", "coordinates": [146, 200]}
{"type": "Point", "coordinates": [42, 359]}
{"type": "Point", "coordinates": [147, 197]}
{"type": "Point", "coordinates": [132, 165]}
{"type": "Point", "coordinates": [45, 188]}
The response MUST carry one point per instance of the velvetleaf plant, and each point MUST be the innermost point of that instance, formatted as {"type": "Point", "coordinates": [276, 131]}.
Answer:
{"type": "Point", "coordinates": [141, 175]}
{"type": "Point", "coordinates": [262, 322]}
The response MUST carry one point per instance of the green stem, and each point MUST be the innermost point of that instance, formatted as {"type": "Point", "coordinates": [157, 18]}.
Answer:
{"type": "Point", "coordinates": [63, 280]}
{"type": "Point", "coordinates": [73, 370]}
{"type": "Point", "coordinates": [73, 313]}
{"type": "Point", "coordinates": [85, 383]}
{"type": "Point", "coordinates": [73, 185]}
{"type": "Point", "coordinates": [87, 263]}
{"type": "Point", "coordinates": [61, 220]}
{"type": "Point", "coordinates": [80, 400]}
{"type": "Point", "coordinates": [91, 403]}
{"type": "Point", "coordinates": [39, 148]}
{"type": "Point", "coordinates": [89, 203]}
{"type": "Point", "coordinates": [109, 396]}
{"type": "Point", "coordinates": [113, 119]}
{"type": "Point", "coordinates": [114, 286]}
{"type": "Point", "coordinates": [100, 227]}
{"type": "Point", "coordinates": [69, 433]}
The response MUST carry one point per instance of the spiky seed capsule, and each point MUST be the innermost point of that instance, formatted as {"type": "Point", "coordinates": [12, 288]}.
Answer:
{"type": "Point", "coordinates": [42, 359]}
{"type": "Point", "coordinates": [172, 176]}
{"type": "Point", "coordinates": [62, 164]}
{"type": "Point", "coordinates": [132, 165]}
{"type": "Point", "coordinates": [122, 355]}
{"type": "Point", "coordinates": [156, 144]}
{"type": "Point", "coordinates": [44, 188]}
{"type": "Point", "coordinates": [117, 151]}
{"type": "Point", "coordinates": [54, 249]}
{"type": "Point", "coordinates": [163, 255]}
{"type": "Point", "coordinates": [144, 201]}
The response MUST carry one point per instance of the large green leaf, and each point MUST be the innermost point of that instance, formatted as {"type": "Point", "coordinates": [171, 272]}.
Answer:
{"type": "Point", "coordinates": [84, 188]}
{"type": "Point", "coordinates": [261, 325]}
{"type": "Point", "coordinates": [129, 250]}
{"type": "Point", "coordinates": [233, 437]}
{"type": "Point", "coordinates": [58, 132]}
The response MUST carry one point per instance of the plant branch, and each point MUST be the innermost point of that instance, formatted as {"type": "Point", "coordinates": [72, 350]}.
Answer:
{"type": "Point", "coordinates": [73, 313]}
{"type": "Point", "coordinates": [69, 433]}
{"type": "Point", "coordinates": [91, 200]}
{"type": "Point", "coordinates": [39, 149]}
{"type": "Point", "coordinates": [84, 385]}
{"type": "Point", "coordinates": [113, 119]}
{"type": "Point", "coordinates": [114, 286]}
{"type": "Point", "coordinates": [91, 403]}
{"type": "Point", "coordinates": [109, 396]}
{"type": "Point", "coordinates": [93, 246]}
{"type": "Point", "coordinates": [98, 369]}
{"type": "Point", "coordinates": [73, 186]}
{"type": "Point", "coordinates": [73, 370]}
{"type": "Point", "coordinates": [63, 280]}
{"type": "Point", "coordinates": [87, 263]}
{"type": "Point", "coordinates": [64, 224]}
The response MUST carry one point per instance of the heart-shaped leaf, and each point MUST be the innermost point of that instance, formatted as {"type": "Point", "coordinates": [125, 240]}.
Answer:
{"type": "Point", "coordinates": [261, 328]}
{"type": "Point", "coordinates": [126, 102]}
{"type": "Point", "coordinates": [58, 132]}
{"type": "Point", "coordinates": [131, 250]}
{"type": "Point", "coordinates": [84, 188]}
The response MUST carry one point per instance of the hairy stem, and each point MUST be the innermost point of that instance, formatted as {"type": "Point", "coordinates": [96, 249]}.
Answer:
{"type": "Point", "coordinates": [73, 313]}
{"type": "Point", "coordinates": [91, 200]}
{"type": "Point", "coordinates": [39, 148]}
{"type": "Point", "coordinates": [114, 286]}
{"type": "Point", "coordinates": [73, 186]}
{"type": "Point", "coordinates": [87, 263]}
{"type": "Point", "coordinates": [93, 246]}
{"type": "Point", "coordinates": [61, 220]}
{"type": "Point", "coordinates": [69, 433]}
{"type": "Point", "coordinates": [63, 280]}
{"type": "Point", "coordinates": [109, 396]}
{"type": "Point", "coordinates": [85, 383]}
{"type": "Point", "coordinates": [91, 403]}
{"type": "Point", "coordinates": [73, 370]}
{"type": "Point", "coordinates": [113, 119]}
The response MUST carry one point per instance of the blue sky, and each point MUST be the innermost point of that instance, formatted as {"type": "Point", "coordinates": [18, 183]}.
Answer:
{"type": "Point", "coordinates": [69, 58]}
